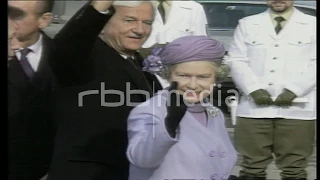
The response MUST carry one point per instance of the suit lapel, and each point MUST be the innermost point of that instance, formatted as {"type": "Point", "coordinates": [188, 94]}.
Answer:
{"type": "Point", "coordinates": [43, 73]}
{"type": "Point", "coordinates": [266, 24]}
{"type": "Point", "coordinates": [172, 13]}
{"type": "Point", "coordinates": [137, 76]}
{"type": "Point", "coordinates": [295, 19]}
{"type": "Point", "coordinates": [177, 10]}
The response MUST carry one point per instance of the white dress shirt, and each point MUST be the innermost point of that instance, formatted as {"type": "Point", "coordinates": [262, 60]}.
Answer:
{"type": "Point", "coordinates": [35, 55]}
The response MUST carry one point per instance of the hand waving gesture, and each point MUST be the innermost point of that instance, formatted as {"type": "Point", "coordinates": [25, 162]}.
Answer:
{"type": "Point", "coordinates": [176, 109]}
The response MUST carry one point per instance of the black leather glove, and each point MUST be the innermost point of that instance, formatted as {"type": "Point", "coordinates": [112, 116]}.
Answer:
{"type": "Point", "coordinates": [285, 98]}
{"type": "Point", "coordinates": [261, 97]}
{"type": "Point", "coordinates": [176, 109]}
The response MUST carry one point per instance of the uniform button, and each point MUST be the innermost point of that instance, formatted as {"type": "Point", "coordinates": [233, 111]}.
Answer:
{"type": "Point", "coordinates": [274, 58]}
{"type": "Point", "coordinates": [299, 42]}
{"type": "Point", "coordinates": [212, 153]}
{"type": "Point", "coordinates": [271, 70]}
{"type": "Point", "coordinates": [270, 84]}
{"type": "Point", "coordinates": [213, 176]}
{"type": "Point", "coordinates": [276, 45]}
{"type": "Point", "coordinates": [253, 42]}
{"type": "Point", "coordinates": [222, 154]}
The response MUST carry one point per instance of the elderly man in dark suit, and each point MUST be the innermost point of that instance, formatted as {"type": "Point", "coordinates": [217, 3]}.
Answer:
{"type": "Point", "coordinates": [101, 81]}
{"type": "Point", "coordinates": [30, 126]}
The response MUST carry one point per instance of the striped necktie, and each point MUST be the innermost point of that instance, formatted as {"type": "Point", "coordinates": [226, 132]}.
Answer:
{"type": "Point", "coordinates": [25, 63]}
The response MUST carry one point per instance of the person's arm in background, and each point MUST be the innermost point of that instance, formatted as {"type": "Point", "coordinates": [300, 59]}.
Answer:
{"type": "Point", "coordinates": [200, 21]}
{"type": "Point", "coordinates": [71, 63]}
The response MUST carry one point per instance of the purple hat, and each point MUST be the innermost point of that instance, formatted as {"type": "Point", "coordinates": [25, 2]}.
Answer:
{"type": "Point", "coordinates": [184, 49]}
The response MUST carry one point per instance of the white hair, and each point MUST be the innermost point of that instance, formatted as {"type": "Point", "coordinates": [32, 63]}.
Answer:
{"type": "Point", "coordinates": [135, 4]}
{"type": "Point", "coordinates": [128, 3]}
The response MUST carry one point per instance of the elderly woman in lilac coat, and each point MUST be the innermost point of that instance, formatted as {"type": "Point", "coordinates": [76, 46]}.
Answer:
{"type": "Point", "coordinates": [178, 133]}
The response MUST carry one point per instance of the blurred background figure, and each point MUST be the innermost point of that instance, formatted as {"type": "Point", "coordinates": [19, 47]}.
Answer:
{"type": "Point", "coordinates": [174, 19]}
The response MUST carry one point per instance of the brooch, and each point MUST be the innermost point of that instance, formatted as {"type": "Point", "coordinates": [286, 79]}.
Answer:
{"type": "Point", "coordinates": [212, 111]}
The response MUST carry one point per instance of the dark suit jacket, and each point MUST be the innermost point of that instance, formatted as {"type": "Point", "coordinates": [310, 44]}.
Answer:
{"type": "Point", "coordinates": [91, 139]}
{"type": "Point", "coordinates": [30, 126]}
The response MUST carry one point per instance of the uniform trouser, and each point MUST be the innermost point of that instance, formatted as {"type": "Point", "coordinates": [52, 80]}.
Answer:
{"type": "Point", "coordinates": [291, 142]}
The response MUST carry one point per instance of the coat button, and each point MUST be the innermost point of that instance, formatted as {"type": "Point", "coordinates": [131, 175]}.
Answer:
{"type": "Point", "coordinates": [212, 153]}
{"type": "Point", "coordinates": [222, 154]}
{"type": "Point", "coordinates": [272, 71]}
{"type": "Point", "coordinates": [213, 176]}
{"type": "Point", "coordinates": [274, 58]}
{"type": "Point", "coordinates": [253, 42]}
{"type": "Point", "coordinates": [270, 84]}
{"type": "Point", "coordinates": [276, 45]}
{"type": "Point", "coordinates": [299, 42]}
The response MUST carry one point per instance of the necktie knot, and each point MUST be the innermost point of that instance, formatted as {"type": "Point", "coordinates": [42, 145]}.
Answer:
{"type": "Point", "coordinates": [279, 19]}
{"type": "Point", "coordinates": [25, 51]}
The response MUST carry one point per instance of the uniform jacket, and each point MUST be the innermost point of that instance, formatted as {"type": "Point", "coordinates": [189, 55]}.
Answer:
{"type": "Point", "coordinates": [30, 123]}
{"type": "Point", "coordinates": [261, 59]}
{"type": "Point", "coordinates": [95, 100]}
{"type": "Point", "coordinates": [197, 152]}
{"type": "Point", "coordinates": [185, 18]}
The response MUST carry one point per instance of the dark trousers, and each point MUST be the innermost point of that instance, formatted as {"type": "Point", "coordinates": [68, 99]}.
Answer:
{"type": "Point", "coordinates": [290, 141]}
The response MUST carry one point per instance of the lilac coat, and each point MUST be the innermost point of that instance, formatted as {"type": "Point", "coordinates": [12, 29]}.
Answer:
{"type": "Point", "coordinates": [198, 152]}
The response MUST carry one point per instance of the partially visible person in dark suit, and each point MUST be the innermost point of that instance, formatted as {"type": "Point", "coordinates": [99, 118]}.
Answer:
{"type": "Point", "coordinates": [30, 84]}
{"type": "Point", "coordinates": [101, 81]}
